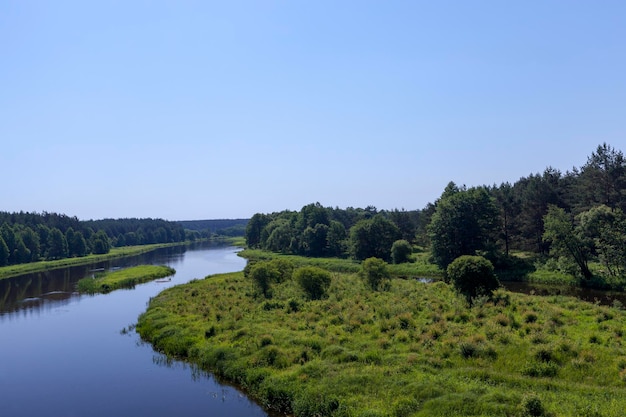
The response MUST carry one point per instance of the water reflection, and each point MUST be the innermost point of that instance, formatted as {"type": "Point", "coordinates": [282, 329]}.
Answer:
{"type": "Point", "coordinates": [609, 298]}
{"type": "Point", "coordinates": [48, 289]}
{"type": "Point", "coordinates": [79, 355]}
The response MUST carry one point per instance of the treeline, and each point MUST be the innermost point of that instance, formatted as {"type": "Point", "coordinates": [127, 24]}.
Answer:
{"type": "Point", "coordinates": [318, 231]}
{"type": "Point", "coordinates": [223, 227]}
{"type": "Point", "coordinates": [588, 202]}
{"type": "Point", "coordinates": [30, 237]}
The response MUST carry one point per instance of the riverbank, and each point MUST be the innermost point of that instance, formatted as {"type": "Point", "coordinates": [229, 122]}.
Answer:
{"type": "Point", "coordinates": [125, 278]}
{"type": "Point", "coordinates": [414, 350]}
{"type": "Point", "coordinates": [20, 269]}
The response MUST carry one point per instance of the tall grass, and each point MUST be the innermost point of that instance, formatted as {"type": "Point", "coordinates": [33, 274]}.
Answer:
{"type": "Point", "coordinates": [415, 349]}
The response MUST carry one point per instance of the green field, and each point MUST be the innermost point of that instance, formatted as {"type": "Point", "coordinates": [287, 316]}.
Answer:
{"type": "Point", "coordinates": [415, 349]}
{"type": "Point", "coordinates": [124, 278]}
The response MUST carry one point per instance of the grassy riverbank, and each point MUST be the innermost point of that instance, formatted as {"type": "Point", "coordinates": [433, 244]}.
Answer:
{"type": "Point", "coordinates": [14, 270]}
{"type": "Point", "coordinates": [124, 278]}
{"type": "Point", "coordinates": [414, 350]}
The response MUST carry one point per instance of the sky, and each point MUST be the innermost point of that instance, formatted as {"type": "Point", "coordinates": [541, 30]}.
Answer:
{"type": "Point", "coordinates": [187, 110]}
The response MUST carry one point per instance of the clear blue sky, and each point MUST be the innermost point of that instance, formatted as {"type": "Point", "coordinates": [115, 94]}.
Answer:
{"type": "Point", "coordinates": [220, 109]}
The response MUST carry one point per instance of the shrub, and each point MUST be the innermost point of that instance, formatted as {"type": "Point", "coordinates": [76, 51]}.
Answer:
{"type": "Point", "coordinates": [264, 274]}
{"type": "Point", "coordinates": [375, 272]}
{"type": "Point", "coordinates": [284, 268]}
{"type": "Point", "coordinates": [532, 406]}
{"type": "Point", "coordinates": [472, 276]}
{"type": "Point", "coordinates": [314, 281]}
{"type": "Point", "coordinates": [400, 251]}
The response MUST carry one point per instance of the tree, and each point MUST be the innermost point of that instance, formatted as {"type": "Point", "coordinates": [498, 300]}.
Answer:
{"type": "Point", "coordinates": [254, 228]}
{"type": "Point", "coordinates": [8, 235]}
{"type": "Point", "coordinates": [57, 245]}
{"type": "Point", "coordinates": [314, 240]}
{"type": "Point", "coordinates": [509, 204]}
{"type": "Point", "coordinates": [311, 215]}
{"type": "Point", "coordinates": [373, 238]}
{"type": "Point", "coordinates": [406, 223]}
{"type": "Point", "coordinates": [335, 238]}
{"type": "Point", "coordinates": [280, 236]}
{"type": "Point", "coordinates": [4, 252]}
{"type": "Point", "coordinates": [375, 272]}
{"type": "Point", "coordinates": [77, 245]}
{"type": "Point", "coordinates": [607, 229]}
{"type": "Point", "coordinates": [566, 240]}
{"type": "Point", "coordinates": [472, 276]}
{"type": "Point", "coordinates": [463, 224]}
{"type": "Point", "coordinates": [100, 243]}
{"type": "Point", "coordinates": [400, 251]}
{"type": "Point", "coordinates": [31, 240]}
{"type": "Point", "coordinates": [603, 178]}
{"type": "Point", "coordinates": [21, 254]}
{"type": "Point", "coordinates": [313, 280]}
{"type": "Point", "coordinates": [536, 193]}
{"type": "Point", "coordinates": [264, 274]}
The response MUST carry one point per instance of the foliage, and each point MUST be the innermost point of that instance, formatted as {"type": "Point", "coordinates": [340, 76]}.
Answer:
{"type": "Point", "coordinates": [57, 245]}
{"type": "Point", "coordinates": [566, 240]}
{"type": "Point", "coordinates": [125, 278]}
{"type": "Point", "coordinates": [31, 236]}
{"type": "Point", "coordinates": [606, 228]}
{"type": "Point", "coordinates": [472, 276]}
{"type": "Point", "coordinates": [100, 243]}
{"type": "Point", "coordinates": [415, 350]}
{"type": "Point", "coordinates": [4, 252]}
{"type": "Point", "coordinates": [375, 272]}
{"type": "Point", "coordinates": [27, 268]}
{"type": "Point", "coordinates": [313, 280]}
{"type": "Point", "coordinates": [373, 238]}
{"type": "Point", "coordinates": [463, 224]}
{"type": "Point", "coordinates": [400, 251]}
{"type": "Point", "coordinates": [264, 274]}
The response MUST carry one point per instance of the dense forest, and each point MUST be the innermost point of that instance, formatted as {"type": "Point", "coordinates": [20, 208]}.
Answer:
{"type": "Point", "coordinates": [30, 237]}
{"type": "Point", "coordinates": [568, 219]}
{"type": "Point", "coordinates": [222, 227]}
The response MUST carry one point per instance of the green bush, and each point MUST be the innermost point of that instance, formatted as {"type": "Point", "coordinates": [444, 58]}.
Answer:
{"type": "Point", "coordinates": [400, 251]}
{"type": "Point", "coordinates": [375, 272]}
{"type": "Point", "coordinates": [472, 276]}
{"type": "Point", "coordinates": [264, 274]}
{"type": "Point", "coordinates": [314, 281]}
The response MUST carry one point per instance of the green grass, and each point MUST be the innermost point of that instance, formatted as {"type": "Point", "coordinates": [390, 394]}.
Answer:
{"type": "Point", "coordinates": [15, 270]}
{"type": "Point", "coordinates": [419, 268]}
{"type": "Point", "coordinates": [414, 350]}
{"type": "Point", "coordinates": [124, 278]}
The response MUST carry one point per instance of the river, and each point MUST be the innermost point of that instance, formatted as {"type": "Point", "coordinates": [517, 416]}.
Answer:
{"type": "Point", "coordinates": [63, 354]}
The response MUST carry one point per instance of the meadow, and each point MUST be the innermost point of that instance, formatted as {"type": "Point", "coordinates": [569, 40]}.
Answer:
{"type": "Point", "coordinates": [413, 349]}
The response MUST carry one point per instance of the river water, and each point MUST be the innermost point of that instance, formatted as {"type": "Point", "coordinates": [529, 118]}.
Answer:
{"type": "Point", "coordinates": [63, 354]}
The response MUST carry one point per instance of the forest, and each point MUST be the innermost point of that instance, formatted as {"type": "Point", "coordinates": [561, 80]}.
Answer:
{"type": "Point", "coordinates": [31, 237]}
{"type": "Point", "coordinates": [571, 222]}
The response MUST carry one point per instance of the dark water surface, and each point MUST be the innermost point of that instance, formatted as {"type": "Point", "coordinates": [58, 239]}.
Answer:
{"type": "Point", "coordinates": [586, 294]}
{"type": "Point", "coordinates": [66, 355]}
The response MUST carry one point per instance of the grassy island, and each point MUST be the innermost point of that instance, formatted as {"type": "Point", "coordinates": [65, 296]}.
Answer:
{"type": "Point", "coordinates": [124, 278]}
{"type": "Point", "coordinates": [410, 349]}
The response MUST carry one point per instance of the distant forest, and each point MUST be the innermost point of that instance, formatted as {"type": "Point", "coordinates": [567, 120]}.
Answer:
{"type": "Point", "coordinates": [222, 227]}
{"type": "Point", "coordinates": [575, 216]}
{"type": "Point", "coordinates": [30, 237]}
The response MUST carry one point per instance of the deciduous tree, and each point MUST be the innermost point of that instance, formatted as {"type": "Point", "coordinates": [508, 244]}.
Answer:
{"type": "Point", "coordinates": [472, 276]}
{"type": "Point", "coordinates": [464, 223]}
